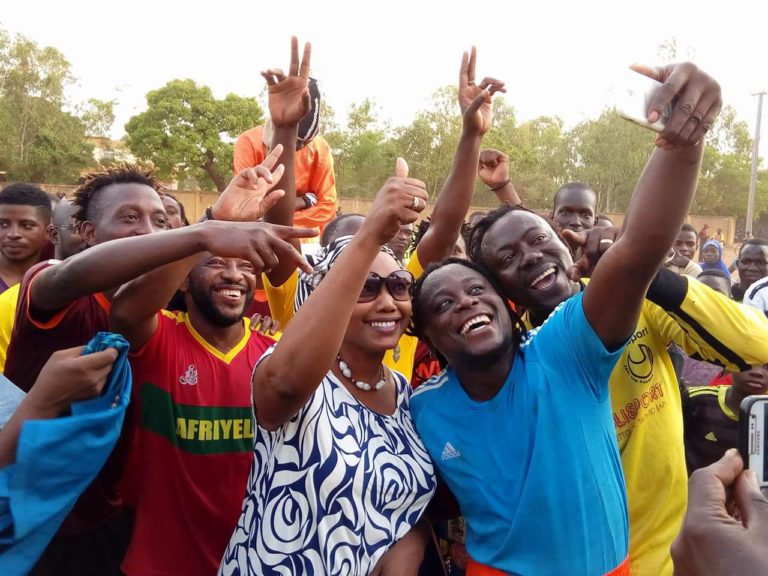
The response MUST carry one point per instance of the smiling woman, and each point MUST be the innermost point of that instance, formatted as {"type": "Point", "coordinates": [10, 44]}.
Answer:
{"type": "Point", "coordinates": [340, 478]}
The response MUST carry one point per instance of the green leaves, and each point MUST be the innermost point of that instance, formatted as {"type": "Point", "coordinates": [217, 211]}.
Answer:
{"type": "Point", "coordinates": [189, 135]}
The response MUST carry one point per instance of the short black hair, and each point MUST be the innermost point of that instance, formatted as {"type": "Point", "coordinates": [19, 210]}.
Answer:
{"type": "Point", "coordinates": [182, 212]}
{"type": "Point", "coordinates": [717, 273]}
{"type": "Point", "coordinates": [23, 194]}
{"type": "Point", "coordinates": [753, 242]}
{"type": "Point", "coordinates": [573, 186]}
{"type": "Point", "coordinates": [329, 233]}
{"type": "Point", "coordinates": [689, 228]}
{"type": "Point", "coordinates": [477, 232]}
{"type": "Point", "coordinates": [86, 194]}
{"type": "Point", "coordinates": [419, 316]}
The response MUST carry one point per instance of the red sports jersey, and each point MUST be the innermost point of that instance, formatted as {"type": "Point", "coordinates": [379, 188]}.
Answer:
{"type": "Point", "coordinates": [192, 449]}
{"type": "Point", "coordinates": [36, 335]}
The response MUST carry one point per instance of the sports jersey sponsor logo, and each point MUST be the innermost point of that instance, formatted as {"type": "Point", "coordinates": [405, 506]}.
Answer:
{"type": "Point", "coordinates": [196, 429]}
{"type": "Point", "coordinates": [449, 452]}
{"type": "Point", "coordinates": [647, 400]}
{"type": "Point", "coordinates": [639, 358]}
{"type": "Point", "coordinates": [711, 437]}
{"type": "Point", "coordinates": [190, 376]}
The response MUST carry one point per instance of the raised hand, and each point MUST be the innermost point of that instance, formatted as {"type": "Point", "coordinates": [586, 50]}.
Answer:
{"type": "Point", "coordinates": [697, 102]}
{"type": "Point", "coordinates": [249, 195]}
{"type": "Point", "coordinates": [477, 118]}
{"type": "Point", "coordinates": [494, 167]}
{"type": "Point", "coordinates": [398, 202]}
{"type": "Point", "coordinates": [289, 95]}
{"type": "Point", "coordinates": [264, 324]}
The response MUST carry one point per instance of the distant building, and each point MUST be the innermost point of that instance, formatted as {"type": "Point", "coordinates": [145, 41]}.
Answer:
{"type": "Point", "coordinates": [107, 151]}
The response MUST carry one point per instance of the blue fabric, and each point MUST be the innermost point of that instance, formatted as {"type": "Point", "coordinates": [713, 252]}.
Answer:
{"type": "Point", "coordinates": [56, 460]}
{"type": "Point", "coordinates": [10, 397]}
{"type": "Point", "coordinates": [536, 469]}
{"type": "Point", "coordinates": [720, 264]}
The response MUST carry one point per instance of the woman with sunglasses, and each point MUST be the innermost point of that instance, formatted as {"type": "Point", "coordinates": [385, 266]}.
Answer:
{"type": "Point", "coordinates": [340, 478]}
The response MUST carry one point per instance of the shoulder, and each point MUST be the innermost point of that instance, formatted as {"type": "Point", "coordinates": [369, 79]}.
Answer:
{"type": "Point", "coordinates": [429, 391]}
{"type": "Point", "coordinates": [557, 318]}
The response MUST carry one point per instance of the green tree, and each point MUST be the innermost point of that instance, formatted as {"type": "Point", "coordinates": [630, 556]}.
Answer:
{"type": "Point", "coordinates": [98, 116]}
{"type": "Point", "coordinates": [429, 142]}
{"type": "Point", "coordinates": [39, 139]}
{"type": "Point", "coordinates": [365, 156]}
{"type": "Point", "coordinates": [187, 133]}
{"type": "Point", "coordinates": [609, 154]}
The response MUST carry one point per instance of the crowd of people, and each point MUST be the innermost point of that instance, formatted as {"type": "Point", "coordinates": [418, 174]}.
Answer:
{"type": "Point", "coordinates": [490, 393]}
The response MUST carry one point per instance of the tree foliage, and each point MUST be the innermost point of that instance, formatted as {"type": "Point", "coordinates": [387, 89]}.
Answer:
{"type": "Point", "coordinates": [188, 134]}
{"type": "Point", "coordinates": [41, 138]}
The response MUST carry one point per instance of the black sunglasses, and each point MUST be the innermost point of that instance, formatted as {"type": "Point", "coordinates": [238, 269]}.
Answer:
{"type": "Point", "coordinates": [398, 283]}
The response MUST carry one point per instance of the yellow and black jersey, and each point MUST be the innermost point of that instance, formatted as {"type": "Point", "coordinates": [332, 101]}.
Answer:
{"type": "Point", "coordinates": [711, 427]}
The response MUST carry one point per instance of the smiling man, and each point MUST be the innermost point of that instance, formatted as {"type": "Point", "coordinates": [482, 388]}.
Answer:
{"type": "Point", "coordinates": [192, 397]}
{"type": "Point", "coordinates": [25, 213]}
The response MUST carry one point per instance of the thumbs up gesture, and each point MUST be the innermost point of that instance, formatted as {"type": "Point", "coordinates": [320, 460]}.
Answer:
{"type": "Point", "coordinates": [399, 201]}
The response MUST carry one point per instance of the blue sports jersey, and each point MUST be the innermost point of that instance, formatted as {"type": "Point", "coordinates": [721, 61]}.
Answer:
{"type": "Point", "coordinates": [536, 469]}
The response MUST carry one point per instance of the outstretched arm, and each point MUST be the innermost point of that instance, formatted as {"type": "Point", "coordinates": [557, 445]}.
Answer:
{"type": "Point", "coordinates": [659, 204]}
{"type": "Point", "coordinates": [285, 380]}
{"type": "Point", "coordinates": [456, 196]}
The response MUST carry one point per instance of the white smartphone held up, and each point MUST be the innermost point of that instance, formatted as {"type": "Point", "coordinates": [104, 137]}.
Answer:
{"type": "Point", "coordinates": [633, 95]}
{"type": "Point", "coordinates": [753, 427]}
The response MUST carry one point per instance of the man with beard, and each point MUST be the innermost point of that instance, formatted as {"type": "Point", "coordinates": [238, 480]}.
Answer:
{"type": "Point", "coordinates": [192, 402]}
{"type": "Point", "coordinates": [531, 264]}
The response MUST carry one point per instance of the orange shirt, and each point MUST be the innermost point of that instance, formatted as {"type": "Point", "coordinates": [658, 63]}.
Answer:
{"type": "Point", "coordinates": [314, 173]}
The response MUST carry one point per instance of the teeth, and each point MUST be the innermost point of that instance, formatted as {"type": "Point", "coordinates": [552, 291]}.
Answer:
{"type": "Point", "coordinates": [541, 276]}
{"type": "Point", "coordinates": [387, 324]}
{"type": "Point", "coordinates": [235, 293]}
{"type": "Point", "coordinates": [482, 318]}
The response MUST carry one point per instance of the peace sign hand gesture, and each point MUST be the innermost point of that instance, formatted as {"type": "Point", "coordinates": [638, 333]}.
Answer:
{"type": "Point", "coordinates": [289, 95]}
{"type": "Point", "coordinates": [474, 100]}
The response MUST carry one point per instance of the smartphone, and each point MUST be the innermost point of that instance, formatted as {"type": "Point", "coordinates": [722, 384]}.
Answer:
{"type": "Point", "coordinates": [753, 427]}
{"type": "Point", "coordinates": [633, 95]}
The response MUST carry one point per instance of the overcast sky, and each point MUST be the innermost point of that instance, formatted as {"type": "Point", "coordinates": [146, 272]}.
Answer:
{"type": "Point", "coordinates": [558, 58]}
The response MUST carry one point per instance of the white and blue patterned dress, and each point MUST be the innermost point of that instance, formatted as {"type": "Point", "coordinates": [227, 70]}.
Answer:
{"type": "Point", "coordinates": [332, 489]}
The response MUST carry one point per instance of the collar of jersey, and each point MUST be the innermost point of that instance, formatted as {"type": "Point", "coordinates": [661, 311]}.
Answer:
{"type": "Point", "coordinates": [229, 356]}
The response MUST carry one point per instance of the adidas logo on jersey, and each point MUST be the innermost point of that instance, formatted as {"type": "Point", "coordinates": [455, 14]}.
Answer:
{"type": "Point", "coordinates": [449, 452]}
{"type": "Point", "coordinates": [711, 437]}
{"type": "Point", "coordinates": [190, 376]}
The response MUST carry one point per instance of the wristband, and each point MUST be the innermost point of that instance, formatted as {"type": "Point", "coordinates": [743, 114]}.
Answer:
{"type": "Point", "coordinates": [310, 199]}
{"type": "Point", "coordinates": [500, 185]}
{"type": "Point", "coordinates": [209, 213]}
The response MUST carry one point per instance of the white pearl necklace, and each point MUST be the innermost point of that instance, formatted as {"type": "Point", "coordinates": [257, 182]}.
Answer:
{"type": "Point", "coordinates": [360, 384]}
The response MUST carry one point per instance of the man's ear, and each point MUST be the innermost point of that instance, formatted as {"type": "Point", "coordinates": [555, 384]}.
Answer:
{"type": "Point", "coordinates": [52, 233]}
{"type": "Point", "coordinates": [88, 232]}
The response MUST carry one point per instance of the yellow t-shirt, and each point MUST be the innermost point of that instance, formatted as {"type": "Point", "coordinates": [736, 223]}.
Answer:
{"type": "Point", "coordinates": [647, 409]}
{"type": "Point", "coordinates": [8, 300]}
{"type": "Point", "coordinates": [281, 300]}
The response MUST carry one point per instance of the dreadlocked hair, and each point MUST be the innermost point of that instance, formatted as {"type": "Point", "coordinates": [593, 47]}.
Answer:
{"type": "Point", "coordinates": [477, 232]}
{"type": "Point", "coordinates": [419, 316]}
{"type": "Point", "coordinates": [97, 181]}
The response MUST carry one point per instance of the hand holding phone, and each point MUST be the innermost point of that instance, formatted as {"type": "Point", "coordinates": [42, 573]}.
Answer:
{"type": "Point", "coordinates": [693, 96]}
{"type": "Point", "coordinates": [753, 427]}
{"type": "Point", "coordinates": [633, 98]}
